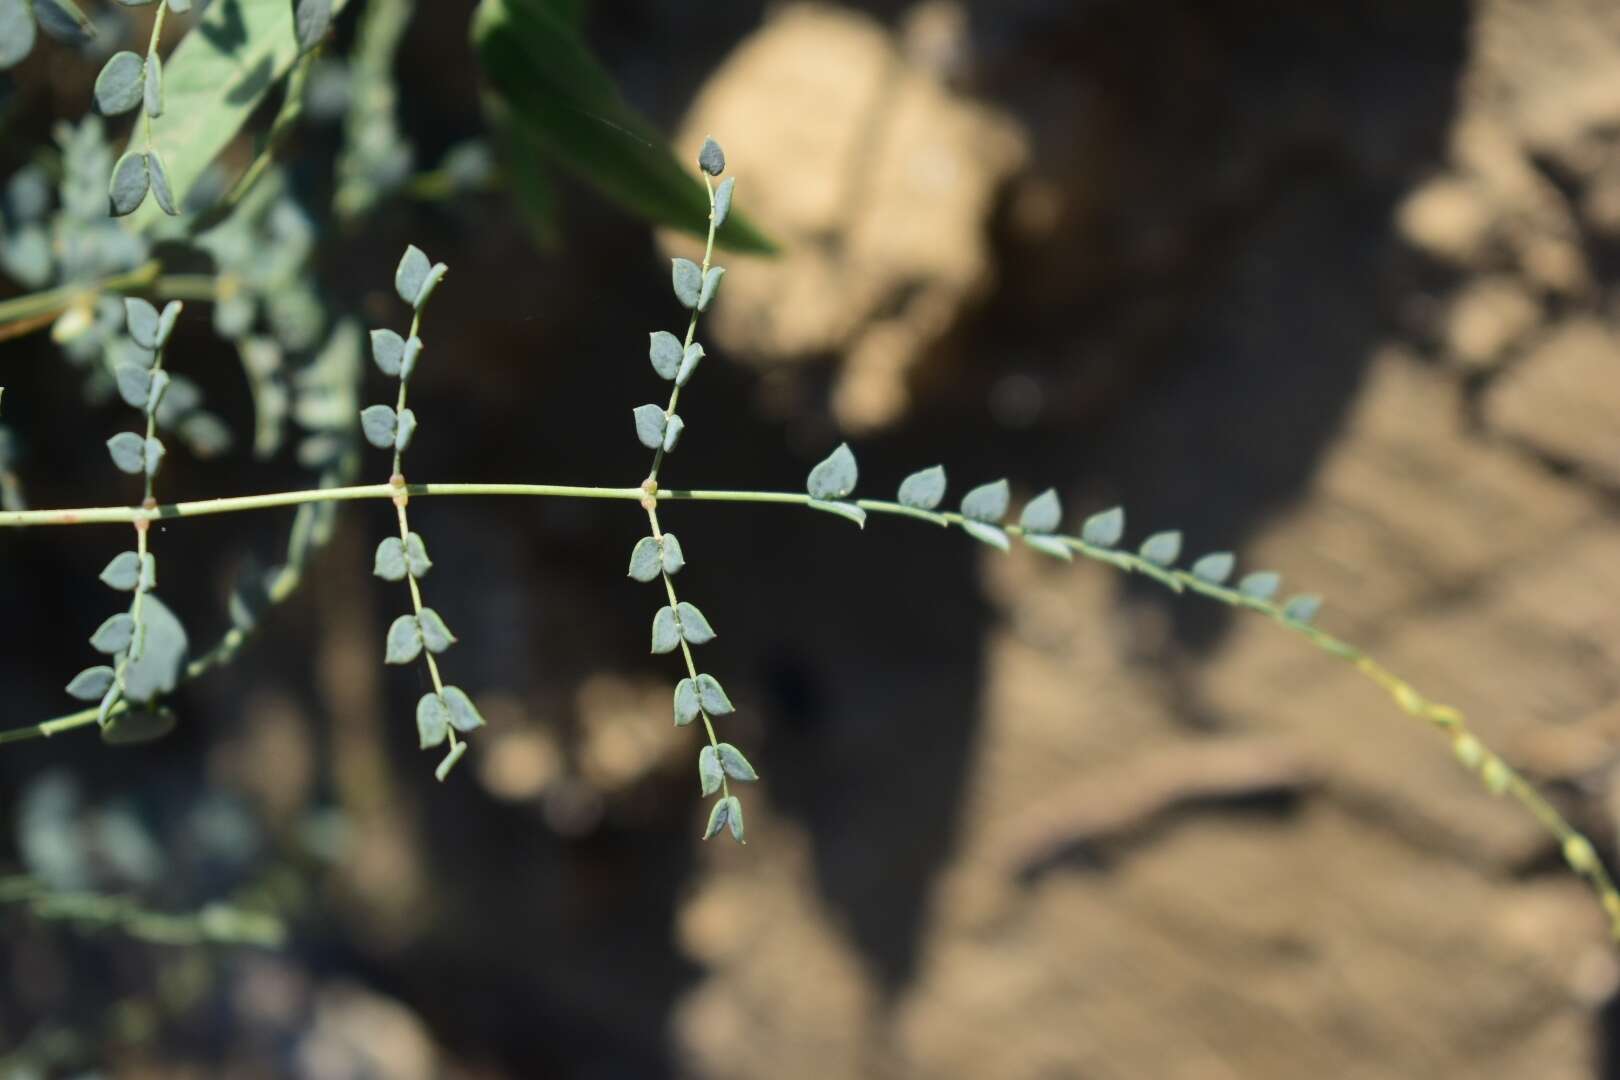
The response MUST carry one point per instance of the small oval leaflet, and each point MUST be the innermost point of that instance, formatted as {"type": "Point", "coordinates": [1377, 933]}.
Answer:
{"type": "Point", "coordinates": [1260, 585]}
{"type": "Point", "coordinates": [727, 812]}
{"type": "Point", "coordinates": [387, 350]}
{"type": "Point", "coordinates": [404, 641]}
{"type": "Point", "coordinates": [719, 817]}
{"type": "Point", "coordinates": [650, 422]}
{"type": "Point", "coordinates": [1043, 514]}
{"type": "Point", "coordinates": [379, 424]}
{"type": "Point", "coordinates": [114, 635]}
{"type": "Point", "coordinates": [1215, 567]}
{"type": "Point", "coordinates": [161, 190]}
{"type": "Point", "coordinates": [91, 683]}
{"type": "Point", "coordinates": [416, 556]}
{"type": "Point", "coordinates": [735, 765]}
{"type": "Point", "coordinates": [123, 573]}
{"type": "Point", "coordinates": [389, 562]}
{"type": "Point", "coordinates": [835, 476]}
{"type": "Point", "coordinates": [688, 364]}
{"type": "Point", "coordinates": [711, 285]}
{"type": "Point", "coordinates": [694, 627]}
{"type": "Point", "coordinates": [709, 772]}
{"type": "Point", "coordinates": [644, 560]}
{"type": "Point", "coordinates": [137, 726]}
{"type": "Point", "coordinates": [924, 489]}
{"type": "Point", "coordinates": [1161, 549]}
{"type": "Point", "coordinates": [141, 319]}
{"type": "Point", "coordinates": [152, 91]}
{"type": "Point", "coordinates": [987, 502]}
{"type": "Point", "coordinates": [16, 31]}
{"type": "Point", "coordinates": [672, 432]}
{"type": "Point", "coordinates": [712, 159]}
{"type": "Point", "coordinates": [664, 350]}
{"type": "Point", "coordinates": [134, 384]}
{"type": "Point", "coordinates": [1049, 545]}
{"type": "Point", "coordinates": [666, 633]}
{"type": "Point", "coordinates": [430, 285]}
{"type": "Point", "coordinates": [686, 702]}
{"type": "Point", "coordinates": [119, 86]}
{"type": "Point", "coordinates": [845, 510]}
{"type": "Point", "coordinates": [1104, 529]}
{"type": "Point", "coordinates": [166, 321]}
{"type": "Point", "coordinates": [406, 430]}
{"type": "Point", "coordinates": [127, 189]}
{"type": "Point", "coordinates": [988, 534]}
{"type": "Point", "coordinates": [407, 360]}
{"type": "Point", "coordinates": [411, 274]}
{"type": "Point", "coordinates": [673, 557]}
{"type": "Point", "coordinates": [311, 18]}
{"type": "Point", "coordinates": [688, 282]}
{"type": "Point", "coordinates": [464, 715]}
{"type": "Point", "coordinates": [435, 635]}
{"type": "Point", "coordinates": [713, 697]}
{"type": "Point", "coordinates": [722, 201]}
{"type": "Point", "coordinates": [128, 452]}
{"type": "Point", "coordinates": [1302, 608]}
{"type": "Point", "coordinates": [432, 721]}
{"type": "Point", "coordinates": [162, 658]}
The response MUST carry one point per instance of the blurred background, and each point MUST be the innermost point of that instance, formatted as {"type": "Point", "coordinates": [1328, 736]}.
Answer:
{"type": "Point", "coordinates": [1331, 285]}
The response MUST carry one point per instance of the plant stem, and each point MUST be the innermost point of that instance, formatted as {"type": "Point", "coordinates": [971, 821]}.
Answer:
{"type": "Point", "coordinates": [1445, 718]}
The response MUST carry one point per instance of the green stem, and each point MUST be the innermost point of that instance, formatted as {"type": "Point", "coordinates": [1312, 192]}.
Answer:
{"type": "Point", "coordinates": [63, 296]}
{"type": "Point", "coordinates": [1498, 776]}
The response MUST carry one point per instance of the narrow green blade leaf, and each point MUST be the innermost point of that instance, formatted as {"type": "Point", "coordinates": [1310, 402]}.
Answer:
{"type": "Point", "coordinates": [565, 103]}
